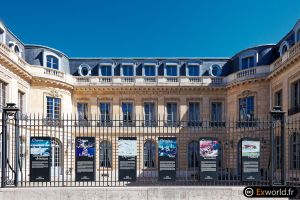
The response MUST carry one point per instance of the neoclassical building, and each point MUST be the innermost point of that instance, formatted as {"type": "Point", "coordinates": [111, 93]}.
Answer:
{"type": "Point", "coordinates": [244, 87]}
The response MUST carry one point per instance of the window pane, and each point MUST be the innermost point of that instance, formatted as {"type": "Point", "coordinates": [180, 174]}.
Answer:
{"type": "Point", "coordinates": [216, 111]}
{"type": "Point", "coordinates": [149, 109]}
{"type": "Point", "coordinates": [127, 70]}
{"type": "Point", "coordinates": [171, 112]}
{"type": "Point", "coordinates": [52, 62]}
{"type": "Point", "coordinates": [149, 70]}
{"type": "Point", "coordinates": [193, 70]}
{"type": "Point", "coordinates": [194, 110]}
{"type": "Point", "coordinates": [246, 106]}
{"type": "Point", "coordinates": [127, 111]}
{"type": "Point", "coordinates": [106, 71]}
{"type": "Point", "coordinates": [171, 70]}
{"type": "Point", "coordinates": [105, 112]}
{"type": "Point", "coordinates": [82, 110]}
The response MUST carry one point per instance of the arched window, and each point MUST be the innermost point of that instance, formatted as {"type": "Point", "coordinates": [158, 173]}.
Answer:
{"type": "Point", "coordinates": [193, 154]}
{"type": "Point", "coordinates": [52, 62]}
{"type": "Point", "coordinates": [2, 32]}
{"type": "Point", "coordinates": [55, 159]}
{"type": "Point", "coordinates": [105, 154]}
{"type": "Point", "coordinates": [149, 154]}
{"type": "Point", "coordinates": [84, 70]}
{"type": "Point", "coordinates": [284, 49]}
{"type": "Point", "coordinates": [215, 70]}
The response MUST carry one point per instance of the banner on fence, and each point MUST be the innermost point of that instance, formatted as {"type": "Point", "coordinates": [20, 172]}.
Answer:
{"type": "Point", "coordinates": [209, 149]}
{"type": "Point", "coordinates": [167, 153]}
{"type": "Point", "coordinates": [127, 152]}
{"type": "Point", "coordinates": [250, 159]}
{"type": "Point", "coordinates": [85, 159]}
{"type": "Point", "coordinates": [40, 154]}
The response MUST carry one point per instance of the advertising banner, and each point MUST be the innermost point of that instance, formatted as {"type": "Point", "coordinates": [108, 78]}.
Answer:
{"type": "Point", "coordinates": [40, 154]}
{"type": "Point", "coordinates": [167, 153]}
{"type": "Point", "coordinates": [85, 158]}
{"type": "Point", "coordinates": [127, 152]}
{"type": "Point", "coordinates": [250, 160]}
{"type": "Point", "coordinates": [209, 158]}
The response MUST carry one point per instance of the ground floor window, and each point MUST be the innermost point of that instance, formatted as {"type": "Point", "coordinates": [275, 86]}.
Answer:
{"type": "Point", "coordinates": [149, 154]}
{"type": "Point", "coordinates": [105, 154]}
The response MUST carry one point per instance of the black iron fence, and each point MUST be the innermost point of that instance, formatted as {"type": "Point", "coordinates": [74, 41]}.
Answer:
{"type": "Point", "coordinates": [114, 152]}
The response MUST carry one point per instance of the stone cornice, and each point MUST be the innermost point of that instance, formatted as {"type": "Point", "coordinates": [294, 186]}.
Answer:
{"type": "Point", "coordinates": [37, 81]}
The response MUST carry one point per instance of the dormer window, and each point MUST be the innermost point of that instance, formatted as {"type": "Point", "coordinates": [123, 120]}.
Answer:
{"type": "Point", "coordinates": [248, 62]}
{"type": "Point", "coordinates": [17, 49]}
{"type": "Point", "coordinates": [284, 47]}
{"type": "Point", "coordinates": [105, 70]}
{"type": "Point", "coordinates": [171, 70]}
{"type": "Point", "coordinates": [2, 35]}
{"type": "Point", "coordinates": [52, 62]}
{"type": "Point", "coordinates": [149, 70]}
{"type": "Point", "coordinates": [84, 70]}
{"type": "Point", "coordinates": [215, 70]}
{"type": "Point", "coordinates": [127, 70]}
{"type": "Point", "coordinates": [193, 70]}
{"type": "Point", "coordinates": [298, 35]}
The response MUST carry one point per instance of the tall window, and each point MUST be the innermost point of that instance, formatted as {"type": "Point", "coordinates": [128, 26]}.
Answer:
{"type": "Point", "coordinates": [2, 95]}
{"type": "Point", "coordinates": [105, 154]}
{"type": "Point", "coordinates": [127, 110]}
{"type": "Point", "coordinates": [194, 114]}
{"type": "Point", "coordinates": [55, 159]}
{"type": "Point", "coordinates": [216, 111]}
{"type": "Point", "coordinates": [248, 62]}
{"type": "Point", "coordinates": [105, 113]}
{"type": "Point", "coordinates": [193, 153]}
{"type": "Point", "coordinates": [246, 108]}
{"type": "Point", "coordinates": [21, 99]}
{"type": "Point", "coordinates": [171, 113]}
{"type": "Point", "coordinates": [82, 110]}
{"type": "Point", "coordinates": [106, 70]}
{"type": "Point", "coordinates": [278, 98]}
{"type": "Point", "coordinates": [149, 70]}
{"type": "Point", "coordinates": [127, 70]}
{"type": "Point", "coordinates": [52, 62]}
{"type": "Point", "coordinates": [149, 110]}
{"type": "Point", "coordinates": [193, 70]}
{"type": "Point", "coordinates": [295, 151]}
{"type": "Point", "coordinates": [295, 96]}
{"type": "Point", "coordinates": [171, 70]}
{"type": "Point", "coordinates": [149, 154]}
{"type": "Point", "coordinates": [53, 108]}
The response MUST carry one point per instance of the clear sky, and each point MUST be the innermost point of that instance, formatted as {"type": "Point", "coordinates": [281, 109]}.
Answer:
{"type": "Point", "coordinates": [150, 28]}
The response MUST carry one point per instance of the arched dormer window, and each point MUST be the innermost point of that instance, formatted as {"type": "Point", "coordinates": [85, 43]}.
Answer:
{"type": "Point", "coordinates": [284, 47]}
{"type": "Point", "coordinates": [84, 70]}
{"type": "Point", "coordinates": [52, 62]}
{"type": "Point", "coordinates": [2, 34]}
{"type": "Point", "coordinates": [248, 59]}
{"type": "Point", "coordinates": [15, 47]}
{"type": "Point", "coordinates": [298, 35]}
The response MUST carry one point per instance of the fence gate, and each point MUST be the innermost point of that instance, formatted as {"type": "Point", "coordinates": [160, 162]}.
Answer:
{"type": "Point", "coordinates": [10, 162]}
{"type": "Point", "coordinates": [278, 153]}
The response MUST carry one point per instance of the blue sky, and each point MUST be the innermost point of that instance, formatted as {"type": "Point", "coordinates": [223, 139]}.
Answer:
{"type": "Point", "coordinates": [150, 28]}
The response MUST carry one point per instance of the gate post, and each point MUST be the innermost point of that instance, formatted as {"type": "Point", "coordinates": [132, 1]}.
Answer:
{"type": "Point", "coordinates": [278, 114]}
{"type": "Point", "coordinates": [9, 112]}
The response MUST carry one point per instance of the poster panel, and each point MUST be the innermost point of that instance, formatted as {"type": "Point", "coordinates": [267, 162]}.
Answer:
{"type": "Point", "coordinates": [127, 152]}
{"type": "Point", "coordinates": [250, 160]}
{"type": "Point", "coordinates": [209, 157]}
{"type": "Point", "coordinates": [167, 153]}
{"type": "Point", "coordinates": [85, 159]}
{"type": "Point", "coordinates": [40, 154]}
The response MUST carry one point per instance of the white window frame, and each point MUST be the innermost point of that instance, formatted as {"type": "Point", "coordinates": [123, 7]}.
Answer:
{"type": "Point", "coordinates": [171, 64]}
{"type": "Point", "coordinates": [80, 69]}
{"type": "Point", "coordinates": [48, 53]}
{"type": "Point", "coordinates": [285, 43]}
{"type": "Point", "coordinates": [211, 70]}
{"type": "Point", "coordinates": [250, 53]}
{"type": "Point", "coordinates": [150, 64]}
{"type": "Point", "coordinates": [128, 64]}
{"type": "Point", "coordinates": [192, 64]}
{"type": "Point", "coordinates": [13, 45]}
{"type": "Point", "coordinates": [106, 64]}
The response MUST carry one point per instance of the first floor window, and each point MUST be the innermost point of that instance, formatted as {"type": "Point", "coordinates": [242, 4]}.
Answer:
{"type": "Point", "coordinates": [2, 95]}
{"type": "Point", "coordinates": [171, 112]}
{"type": "Point", "coordinates": [149, 154]}
{"type": "Point", "coordinates": [53, 108]}
{"type": "Point", "coordinates": [216, 111]}
{"type": "Point", "coordinates": [278, 98]}
{"type": "Point", "coordinates": [105, 112]}
{"type": "Point", "coordinates": [149, 110]}
{"type": "Point", "coordinates": [295, 94]}
{"type": "Point", "coordinates": [105, 154]}
{"type": "Point", "coordinates": [82, 110]}
{"type": "Point", "coordinates": [295, 151]}
{"type": "Point", "coordinates": [193, 153]}
{"type": "Point", "coordinates": [21, 99]}
{"type": "Point", "coordinates": [246, 108]}
{"type": "Point", "coordinates": [127, 110]}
